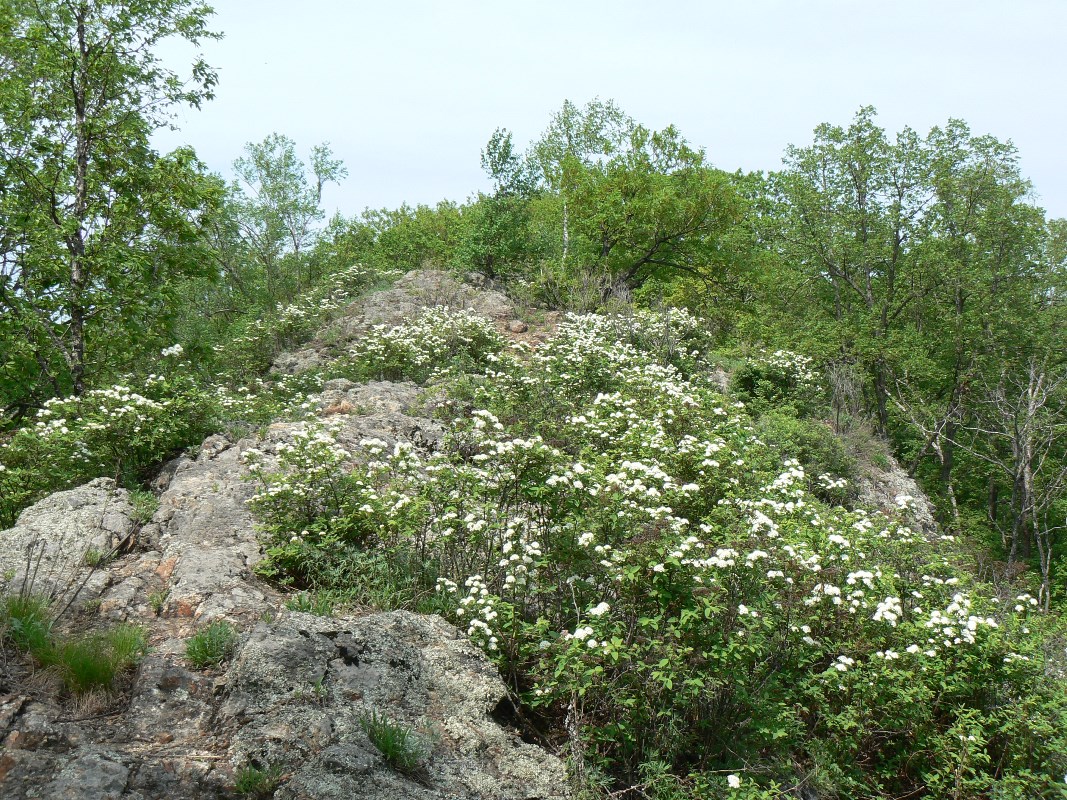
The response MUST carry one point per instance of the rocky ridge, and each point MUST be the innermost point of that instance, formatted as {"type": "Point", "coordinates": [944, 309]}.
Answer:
{"type": "Point", "coordinates": [299, 686]}
{"type": "Point", "coordinates": [295, 694]}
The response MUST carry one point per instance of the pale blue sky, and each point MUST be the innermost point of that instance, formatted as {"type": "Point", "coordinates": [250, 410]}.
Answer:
{"type": "Point", "coordinates": [407, 93]}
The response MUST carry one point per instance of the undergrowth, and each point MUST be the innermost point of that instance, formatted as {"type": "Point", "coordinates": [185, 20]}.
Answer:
{"type": "Point", "coordinates": [661, 579]}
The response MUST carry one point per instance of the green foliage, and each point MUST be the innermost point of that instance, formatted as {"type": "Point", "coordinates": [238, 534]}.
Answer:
{"type": "Point", "coordinates": [96, 558]}
{"type": "Point", "coordinates": [254, 338]}
{"type": "Point", "coordinates": [781, 378]}
{"type": "Point", "coordinates": [402, 239]}
{"type": "Point", "coordinates": [319, 604]}
{"type": "Point", "coordinates": [636, 203]}
{"type": "Point", "coordinates": [400, 747]}
{"type": "Point", "coordinates": [822, 453]}
{"type": "Point", "coordinates": [85, 663]}
{"type": "Point", "coordinates": [278, 204]}
{"type": "Point", "coordinates": [256, 783]}
{"type": "Point", "coordinates": [212, 645]}
{"type": "Point", "coordinates": [120, 431]}
{"type": "Point", "coordinates": [145, 504]}
{"type": "Point", "coordinates": [26, 622]}
{"type": "Point", "coordinates": [157, 601]}
{"type": "Point", "coordinates": [437, 342]}
{"type": "Point", "coordinates": [93, 662]}
{"type": "Point", "coordinates": [96, 228]}
{"type": "Point", "coordinates": [647, 564]}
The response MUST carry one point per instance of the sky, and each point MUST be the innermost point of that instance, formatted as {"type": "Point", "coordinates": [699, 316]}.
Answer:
{"type": "Point", "coordinates": [407, 93]}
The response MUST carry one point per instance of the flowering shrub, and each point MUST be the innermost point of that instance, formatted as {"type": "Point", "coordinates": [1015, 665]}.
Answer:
{"type": "Point", "coordinates": [117, 431]}
{"type": "Point", "coordinates": [657, 581]}
{"type": "Point", "coordinates": [437, 341]}
{"type": "Point", "coordinates": [780, 378]}
{"type": "Point", "coordinates": [258, 338]}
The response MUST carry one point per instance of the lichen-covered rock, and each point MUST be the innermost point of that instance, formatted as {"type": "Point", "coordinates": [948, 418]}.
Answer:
{"type": "Point", "coordinates": [48, 550]}
{"type": "Point", "coordinates": [890, 489]}
{"type": "Point", "coordinates": [207, 539]}
{"type": "Point", "coordinates": [298, 688]}
{"type": "Point", "coordinates": [302, 685]}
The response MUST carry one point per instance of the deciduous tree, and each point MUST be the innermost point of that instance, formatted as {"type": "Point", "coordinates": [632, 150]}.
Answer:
{"type": "Point", "coordinates": [94, 224]}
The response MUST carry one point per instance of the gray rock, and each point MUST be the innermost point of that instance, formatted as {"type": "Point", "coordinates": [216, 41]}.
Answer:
{"type": "Point", "coordinates": [46, 551]}
{"type": "Point", "coordinates": [879, 488]}
{"type": "Point", "coordinates": [404, 301]}
{"type": "Point", "coordinates": [89, 775]}
{"type": "Point", "coordinates": [208, 539]}
{"type": "Point", "coordinates": [518, 326]}
{"type": "Point", "coordinates": [301, 686]}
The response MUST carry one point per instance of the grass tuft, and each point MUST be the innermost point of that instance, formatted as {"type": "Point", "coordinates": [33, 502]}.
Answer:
{"type": "Point", "coordinates": [213, 645]}
{"type": "Point", "coordinates": [93, 662]}
{"type": "Point", "coordinates": [256, 783]}
{"type": "Point", "coordinates": [399, 746]}
{"type": "Point", "coordinates": [25, 621]}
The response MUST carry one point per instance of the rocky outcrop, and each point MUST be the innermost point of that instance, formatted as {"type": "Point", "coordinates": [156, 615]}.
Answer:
{"type": "Point", "coordinates": [890, 489]}
{"type": "Point", "coordinates": [404, 301]}
{"type": "Point", "coordinates": [302, 687]}
{"type": "Point", "coordinates": [299, 686]}
{"type": "Point", "coordinates": [55, 543]}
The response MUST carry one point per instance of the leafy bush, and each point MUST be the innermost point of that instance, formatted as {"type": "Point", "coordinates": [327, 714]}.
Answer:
{"type": "Point", "coordinates": [823, 454]}
{"type": "Point", "coordinates": [440, 340]}
{"type": "Point", "coordinates": [655, 577]}
{"type": "Point", "coordinates": [213, 645]}
{"type": "Point", "coordinates": [118, 432]}
{"type": "Point", "coordinates": [254, 340]}
{"type": "Point", "coordinates": [776, 379]}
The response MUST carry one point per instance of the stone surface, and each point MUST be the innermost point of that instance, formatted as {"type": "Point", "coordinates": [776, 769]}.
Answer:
{"type": "Point", "coordinates": [47, 549]}
{"type": "Point", "coordinates": [879, 487]}
{"type": "Point", "coordinates": [302, 685]}
{"type": "Point", "coordinates": [298, 687]}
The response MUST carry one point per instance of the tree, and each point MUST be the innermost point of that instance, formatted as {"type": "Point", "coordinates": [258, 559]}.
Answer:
{"type": "Point", "coordinates": [909, 248]}
{"type": "Point", "coordinates": [1019, 424]}
{"type": "Point", "coordinates": [636, 203]}
{"type": "Point", "coordinates": [498, 236]}
{"type": "Point", "coordinates": [94, 225]}
{"type": "Point", "coordinates": [574, 140]}
{"type": "Point", "coordinates": [278, 206]}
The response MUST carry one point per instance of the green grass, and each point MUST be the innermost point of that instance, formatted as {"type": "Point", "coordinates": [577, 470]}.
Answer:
{"type": "Point", "coordinates": [157, 601]}
{"type": "Point", "coordinates": [319, 604]}
{"type": "Point", "coordinates": [94, 662]}
{"type": "Point", "coordinates": [26, 622]}
{"type": "Point", "coordinates": [213, 645]}
{"type": "Point", "coordinates": [253, 782]}
{"type": "Point", "coordinates": [399, 746]}
{"type": "Point", "coordinates": [83, 663]}
{"type": "Point", "coordinates": [144, 505]}
{"type": "Point", "coordinates": [97, 558]}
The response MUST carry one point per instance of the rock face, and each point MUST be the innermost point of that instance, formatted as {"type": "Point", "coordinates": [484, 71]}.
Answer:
{"type": "Point", "coordinates": [298, 687]}
{"type": "Point", "coordinates": [303, 685]}
{"type": "Point", "coordinates": [294, 699]}
{"type": "Point", "coordinates": [51, 547]}
{"type": "Point", "coordinates": [884, 487]}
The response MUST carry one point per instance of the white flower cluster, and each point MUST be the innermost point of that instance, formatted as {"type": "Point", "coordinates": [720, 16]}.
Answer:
{"type": "Point", "coordinates": [428, 343]}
